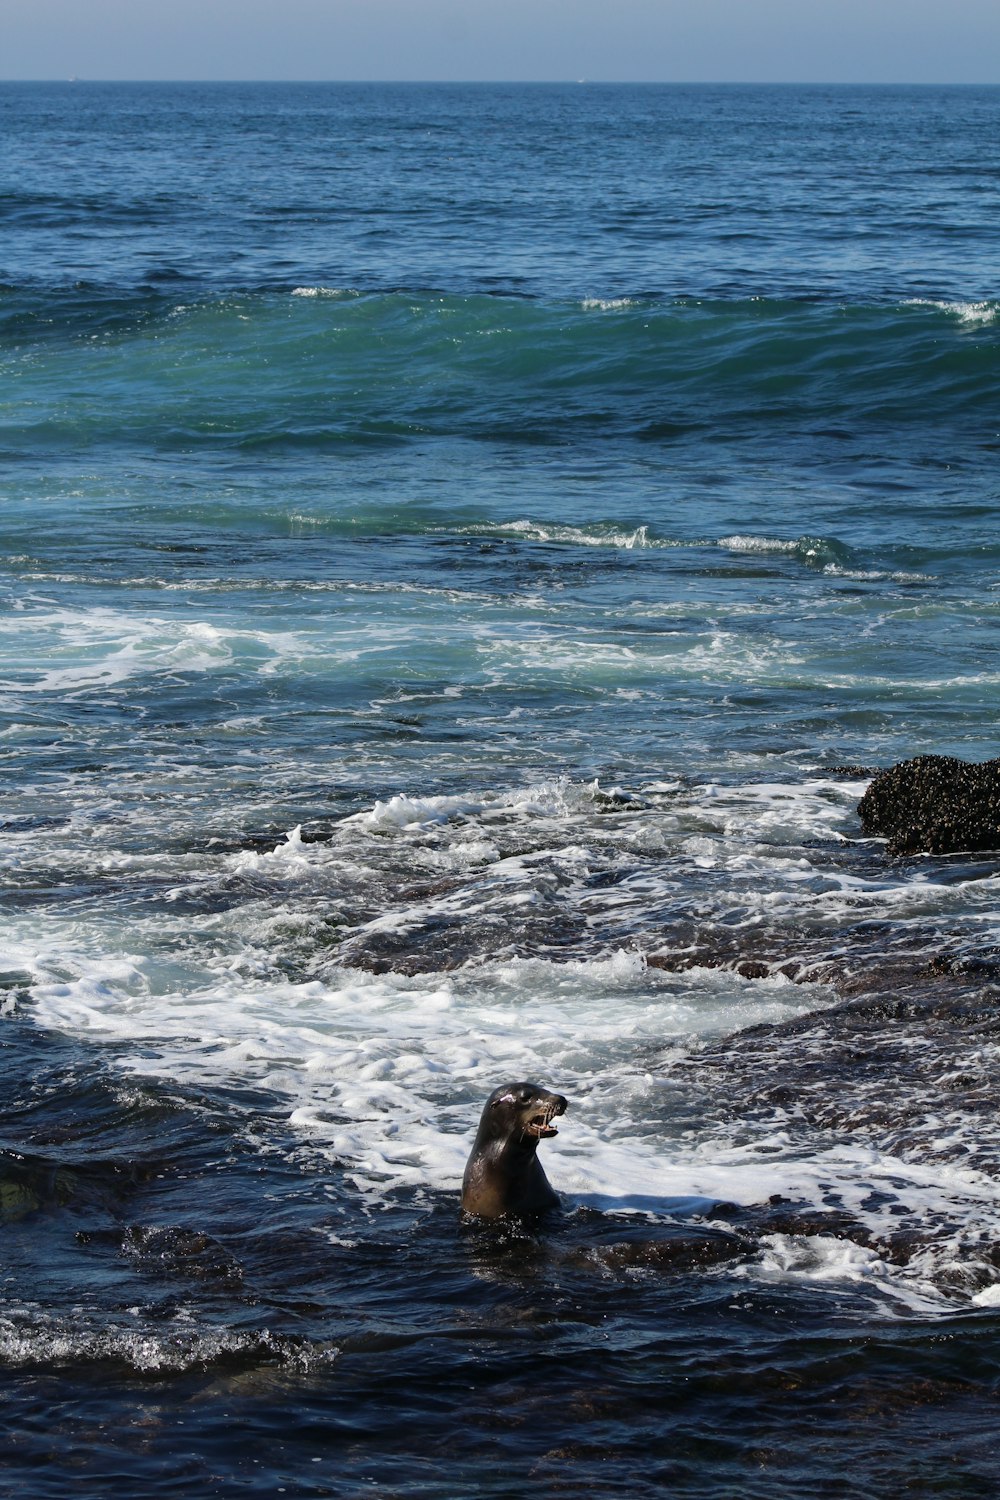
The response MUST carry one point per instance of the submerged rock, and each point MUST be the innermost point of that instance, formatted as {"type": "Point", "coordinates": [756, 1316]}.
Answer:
{"type": "Point", "coordinates": [935, 804]}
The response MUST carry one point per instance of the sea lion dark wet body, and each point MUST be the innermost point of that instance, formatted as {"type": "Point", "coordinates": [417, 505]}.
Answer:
{"type": "Point", "coordinates": [503, 1174]}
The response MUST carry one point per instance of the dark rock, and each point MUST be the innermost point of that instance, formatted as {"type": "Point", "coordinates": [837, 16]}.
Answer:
{"type": "Point", "coordinates": [677, 1252]}
{"type": "Point", "coordinates": [935, 804]}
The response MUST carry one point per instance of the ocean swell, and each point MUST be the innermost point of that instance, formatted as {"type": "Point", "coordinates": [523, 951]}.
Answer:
{"type": "Point", "coordinates": [264, 370]}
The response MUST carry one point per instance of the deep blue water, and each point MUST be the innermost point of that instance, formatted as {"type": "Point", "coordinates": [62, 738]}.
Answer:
{"type": "Point", "coordinates": [464, 550]}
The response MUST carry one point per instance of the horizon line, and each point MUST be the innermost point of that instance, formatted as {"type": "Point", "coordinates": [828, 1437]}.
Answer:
{"type": "Point", "coordinates": [537, 82]}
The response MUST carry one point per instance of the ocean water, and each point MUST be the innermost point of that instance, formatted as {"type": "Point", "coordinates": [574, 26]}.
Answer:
{"type": "Point", "coordinates": [464, 551]}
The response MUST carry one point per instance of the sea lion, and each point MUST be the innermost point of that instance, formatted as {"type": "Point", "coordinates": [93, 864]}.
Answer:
{"type": "Point", "coordinates": [503, 1174]}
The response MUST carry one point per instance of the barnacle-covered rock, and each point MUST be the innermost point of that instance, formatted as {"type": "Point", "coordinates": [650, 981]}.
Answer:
{"type": "Point", "coordinates": [935, 804]}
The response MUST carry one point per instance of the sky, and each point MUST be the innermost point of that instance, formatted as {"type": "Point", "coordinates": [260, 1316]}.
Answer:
{"type": "Point", "coordinates": [823, 41]}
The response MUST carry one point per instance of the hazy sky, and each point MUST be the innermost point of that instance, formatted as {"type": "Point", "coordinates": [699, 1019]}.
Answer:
{"type": "Point", "coordinates": [686, 40]}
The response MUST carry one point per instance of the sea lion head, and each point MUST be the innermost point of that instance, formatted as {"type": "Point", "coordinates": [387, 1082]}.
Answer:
{"type": "Point", "coordinates": [520, 1114]}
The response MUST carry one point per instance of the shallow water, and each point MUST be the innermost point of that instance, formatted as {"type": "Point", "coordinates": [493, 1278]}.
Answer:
{"type": "Point", "coordinates": [464, 551]}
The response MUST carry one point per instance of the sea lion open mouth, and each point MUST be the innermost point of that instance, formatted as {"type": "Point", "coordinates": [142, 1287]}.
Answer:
{"type": "Point", "coordinates": [541, 1125]}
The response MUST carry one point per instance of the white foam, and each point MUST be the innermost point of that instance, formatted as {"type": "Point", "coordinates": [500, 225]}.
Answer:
{"type": "Point", "coordinates": [749, 543]}
{"type": "Point", "coordinates": [325, 291]}
{"type": "Point", "coordinates": [291, 855]}
{"type": "Point", "coordinates": [607, 535]}
{"type": "Point", "coordinates": [608, 304]}
{"type": "Point", "coordinates": [972, 313]}
{"type": "Point", "coordinates": [558, 798]}
{"type": "Point", "coordinates": [389, 1073]}
{"type": "Point", "coordinates": [103, 647]}
{"type": "Point", "coordinates": [817, 1257]}
{"type": "Point", "coordinates": [422, 812]}
{"type": "Point", "coordinates": [874, 575]}
{"type": "Point", "coordinates": [33, 1336]}
{"type": "Point", "coordinates": [838, 1264]}
{"type": "Point", "coordinates": [654, 843]}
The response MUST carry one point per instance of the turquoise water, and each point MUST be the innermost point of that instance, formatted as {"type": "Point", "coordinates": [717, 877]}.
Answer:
{"type": "Point", "coordinates": [464, 550]}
